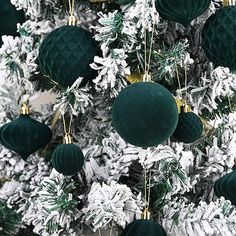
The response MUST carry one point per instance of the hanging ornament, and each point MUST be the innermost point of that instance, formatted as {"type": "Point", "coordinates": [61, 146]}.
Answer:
{"type": "Point", "coordinates": [145, 114]}
{"type": "Point", "coordinates": [9, 17]}
{"type": "Point", "coordinates": [219, 37]}
{"type": "Point", "coordinates": [67, 158]}
{"type": "Point", "coordinates": [189, 127]}
{"type": "Point", "coordinates": [25, 135]}
{"type": "Point", "coordinates": [182, 11]}
{"type": "Point", "coordinates": [226, 187]}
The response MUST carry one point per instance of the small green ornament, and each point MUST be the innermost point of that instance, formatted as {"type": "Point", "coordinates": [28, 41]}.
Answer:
{"type": "Point", "coordinates": [219, 37]}
{"type": "Point", "coordinates": [226, 187]}
{"type": "Point", "coordinates": [66, 53]}
{"type": "Point", "coordinates": [189, 127]}
{"type": "Point", "coordinates": [67, 158]}
{"type": "Point", "coordinates": [144, 228]}
{"type": "Point", "coordinates": [145, 114]}
{"type": "Point", "coordinates": [9, 17]}
{"type": "Point", "coordinates": [125, 2]}
{"type": "Point", "coordinates": [182, 11]}
{"type": "Point", "coordinates": [25, 135]}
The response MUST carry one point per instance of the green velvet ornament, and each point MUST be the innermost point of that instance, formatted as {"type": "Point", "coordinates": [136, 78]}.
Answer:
{"type": "Point", "coordinates": [219, 37]}
{"type": "Point", "coordinates": [181, 11]}
{"type": "Point", "coordinates": [66, 53]}
{"type": "Point", "coordinates": [9, 17]}
{"type": "Point", "coordinates": [144, 228]}
{"type": "Point", "coordinates": [189, 128]}
{"type": "Point", "coordinates": [124, 2]}
{"type": "Point", "coordinates": [226, 187]}
{"type": "Point", "coordinates": [145, 114]}
{"type": "Point", "coordinates": [25, 135]}
{"type": "Point", "coordinates": [67, 159]}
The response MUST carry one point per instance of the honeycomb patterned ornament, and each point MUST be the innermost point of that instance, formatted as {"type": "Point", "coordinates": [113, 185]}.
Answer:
{"type": "Point", "coordinates": [66, 53]}
{"type": "Point", "coordinates": [219, 37]}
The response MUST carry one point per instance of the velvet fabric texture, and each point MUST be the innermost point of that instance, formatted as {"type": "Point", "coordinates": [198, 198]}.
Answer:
{"type": "Point", "coordinates": [144, 228]}
{"type": "Point", "coordinates": [66, 53]}
{"type": "Point", "coordinates": [25, 135]}
{"type": "Point", "coordinates": [9, 17]}
{"type": "Point", "coordinates": [189, 128]}
{"type": "Point", "coordinates": [181, 11]}
{"type": "Point", "coordinates": [219, 37]}
{"type": "Point", "coordinates": [67, 159]}
{"type": "Point", "coordinates": [226, 187]}
{"type": "Point", "coordinates": [145, 114]}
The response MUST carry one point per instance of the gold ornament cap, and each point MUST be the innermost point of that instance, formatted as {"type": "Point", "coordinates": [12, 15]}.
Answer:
{"type": "Point", "coordinates": [72, 21]}
{"type": "Point", "coordinates": [146, 215]}
{"type": "Point", "coordinates": [67, 139]}
{"type": "Point", "coordinates": [229, 3]}
{"type": "Point", "coordinates": [24, 110]}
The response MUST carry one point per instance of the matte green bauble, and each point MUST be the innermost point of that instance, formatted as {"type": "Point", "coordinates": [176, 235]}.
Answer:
{"type": "Point", "coordinates": [67, 159]}
{"type": "Point", "coordinates": [226, 187]}
{"type": "Point", "coordinates": [219, 37]}
{"type": "Point", "coordinates": [144, 228]}
{"type": "Point", "coordinates": [189, 128]}
{"type": "Point", "coordinates": [181, 11]}
{"type": "Point", "coordinates": [66, 53]}
{"type": "Point", "coordinates": [9, 17]}
{"type": "Point", "coordinates": [145, 114]}
{"type": "Point", "coordinates": [25, 135]}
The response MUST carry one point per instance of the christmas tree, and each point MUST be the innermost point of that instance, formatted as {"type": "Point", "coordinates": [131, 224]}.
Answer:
{"type": "Point", "coordinates": [117, 117]}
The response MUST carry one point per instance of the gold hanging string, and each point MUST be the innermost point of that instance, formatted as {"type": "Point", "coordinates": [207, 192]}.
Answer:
{"type": "Point", "coordinates": [185, 85]}
{"type": "Point", "coordinates": [72, 19]}
{"type": "Point", "coordinates": [147, 191]}
{"type": "Point", "coordinates": [150, 49]}
{"type": "Point", "coordinates": [177, 74]}
{"type": "Point", "coordinates": [64, 124]}
{"type": "Point", "coordinates": [99, 232]}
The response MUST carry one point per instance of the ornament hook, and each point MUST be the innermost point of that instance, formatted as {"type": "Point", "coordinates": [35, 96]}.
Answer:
{"type": "Point", "coordinates": [67, 139]}
{"type": "Point", "coordinates": [24, 110]}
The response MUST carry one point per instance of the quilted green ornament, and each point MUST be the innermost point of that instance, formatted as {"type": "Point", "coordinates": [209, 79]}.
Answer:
{"type": "Point", "coordinates": [144, 228]}
{"type": "Point", "coordinates": [66, 53]}
{"type": "Point", "coordinates": [145, 114]}
{"type": "Point", "coordinates": [226, 187]}
{"type": "Point", "coordinates": [181, 11]}
{"type": "Point", "coordinates": [9, 17]}
{"type": "Point", "coordinates": [219, 37]}
{"type": "Point", "coordinates": [189, 128]}
{"type": "Point", "coordinates": [25, 135]}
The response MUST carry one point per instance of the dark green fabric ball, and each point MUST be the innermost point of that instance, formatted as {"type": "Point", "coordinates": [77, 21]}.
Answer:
{"type": "Point", "coordinates": [226, 187]}
{"type": "Point", "coordinates": [189, 128]}
{"type": "Point", "coordinates": [68, 159]}
{"type": "Point", "coordinates": [219, 37]}
{"type": "Point", "coordinates": [25, 135]}
{"type": "Point", "coordinates": [144, 228]}
{"type": "Point", "coordinates": [124, 2]}
{"type": "Point", "coordinates": [66, 53]}
{"type": "Point", "coordinates": [9, 17]}
{"type": "Point", "coordinates": [145, 114]}
{"type": "Point", "coordinates": [181, 11]}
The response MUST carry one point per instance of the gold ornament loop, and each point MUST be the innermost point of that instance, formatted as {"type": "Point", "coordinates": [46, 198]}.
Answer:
{"type": "Point", "coordinates": [146, 215]}
{"type": "Point", "coordinates": [67, 139]}
{"type": "Point", "coordinates": [72, 21]}
{"type": "Point", "coordinates": [147, 77]}
{"type": "Point", "coordinates": [24, 110]}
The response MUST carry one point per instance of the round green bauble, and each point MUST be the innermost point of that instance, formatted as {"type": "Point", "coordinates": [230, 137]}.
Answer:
{"type": "Point", "coordinates": [124, 2]}
{"type": "Point", "coordinates": [67, 159]}
{"type": "Point", "coordinates": [181, 11]}
{"type": "Point", "coordinates": [219, 37]}
{"type": "Point", "coordinates": [226, 187]}
{"type": "Point", "coordinates": [189, 128]}
{"type": "Point", "coordinates": [25, 135]}
{"type": "Point", "coordinates": [145, 114]}
{"type": "Point", "coordinates": [9, 17]}
{"type": "Point", "coordinates": [144, 228]}
{"type": "Point", "coordinates": [66, 53]}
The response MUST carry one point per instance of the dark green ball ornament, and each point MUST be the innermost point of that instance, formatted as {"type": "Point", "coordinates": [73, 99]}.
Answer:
{"type": "Point", "coordinates": [67, 158]}
{"type": "Point", "coordinates": [124, 2]}
{"type": "Point", "coordinates": [181, 11]}
{"type": "Point", "coordinates": [144, 228]}
{"type": "Point", "coordinates": [189, 127]}
{"type": "Point", "coordinates": [25, 135]}
{"type": "Point", "coordinates": [9, 17]}
{"type": "Point", "coordinates": [66, 53]}
{"type": "Point", "coordinates": [219, 37]}
{"type": "Point", "coordinates": [226, 187]}
{"type": "Point", "coordinates": [145, 114]}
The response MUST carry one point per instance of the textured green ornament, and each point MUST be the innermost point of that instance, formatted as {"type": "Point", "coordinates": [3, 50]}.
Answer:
{"type": "Point", "coordinates": [124, 2]}
{"type": "Point", "coordinates": [189, 128]}
{"type": "Point", "coordinates": [66, 53]}
{"type": "Point", "coordinates": [144, 228]}
{"type": "Point", "coordinates": [181, 11]}
{"type": "Point", "coordinates": [145, 114]}
{"type": "Point", "coordinates": [219, 37]}
{"type": "Point", "coordinates": [226, 187]}
{"type": "Point", "coordinates": [68, 159]}
{"type": "Point", "coordinates": [25, 135]}
{"type": "Point", "coordinates": [9, 17]}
